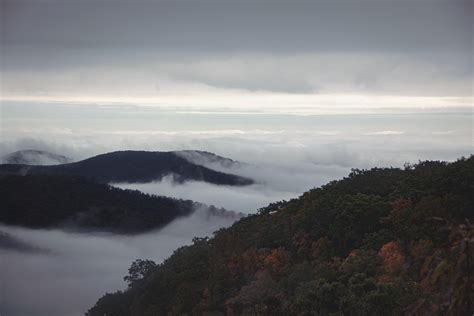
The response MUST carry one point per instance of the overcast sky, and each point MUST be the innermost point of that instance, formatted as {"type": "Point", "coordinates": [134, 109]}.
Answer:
{"type": "Point", "coordinates": [241, 54]}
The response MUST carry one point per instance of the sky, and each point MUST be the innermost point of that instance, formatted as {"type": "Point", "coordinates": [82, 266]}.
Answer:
{"type": "Point", "coordinates": [275, 56]}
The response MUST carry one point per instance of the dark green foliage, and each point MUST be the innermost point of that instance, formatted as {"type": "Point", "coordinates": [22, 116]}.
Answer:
{"type": "Point", "coordinates": [138, 270]}
{"type": "Point", "coordinates": [132, 166]}
{"type": "Point", "coordinates": [114, 304]}
{"type": "Point", "coordinates": [379, 242]}
{"type": "Point", "coordinates": [41, 201]}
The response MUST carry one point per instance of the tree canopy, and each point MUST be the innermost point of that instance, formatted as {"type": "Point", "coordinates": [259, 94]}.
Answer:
{"type": "Point", "coordinates": [381, 241]}
{"type": "Point", "coordinates": [64, 201]}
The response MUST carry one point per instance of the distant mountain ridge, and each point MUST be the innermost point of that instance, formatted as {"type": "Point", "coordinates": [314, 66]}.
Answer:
{"type": "Point", "coordinates": [133, 167]}
{"type": "Point", "coordinates": [72, 202]}
{"type": "Point", "coordinates": [34, 157]}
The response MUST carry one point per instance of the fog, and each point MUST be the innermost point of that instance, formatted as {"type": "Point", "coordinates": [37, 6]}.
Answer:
{"type": "Point", "coordinates": [274, 181]}
{"type": "Point", "coordinates": [288, 161]}
{"type": "Point", "coordinates": [286, 142]}
{"type": "Point", "coordinates": [286, 155]}
{"type": "Point", "coordinates": [246, 199]}
{"type": "Point", "coordinates": [34, 158]}
{"type": "Point", "coordinates": [76, 269]}
{"type": "Point", "coordinates": [86, 48]}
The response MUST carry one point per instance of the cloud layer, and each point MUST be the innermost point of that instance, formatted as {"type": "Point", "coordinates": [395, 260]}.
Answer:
{"type": "Point", "coordinates": [161, 51]}
{"type": "Point", "coordinates": [78, 268]}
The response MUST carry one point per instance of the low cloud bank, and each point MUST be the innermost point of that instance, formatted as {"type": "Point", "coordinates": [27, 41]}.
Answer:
{"type": "Point", "coordinates": [79, 268]}
{"type": "Point", "coordinates": [273, 183]}
{"type": "Point", "coordinates": [304, 152]}
{"type": "Point", "coordinates": [246, 199]}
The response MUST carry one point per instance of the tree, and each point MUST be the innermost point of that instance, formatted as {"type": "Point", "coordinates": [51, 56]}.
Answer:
{"type": "Point", "coordinates": [138, 270]}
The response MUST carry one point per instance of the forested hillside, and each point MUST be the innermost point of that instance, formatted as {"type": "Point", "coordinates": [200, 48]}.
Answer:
{"type": "Point", "coordinates": [378, 242]}
{"type": "Point", "coordinates": [132, 166]}
{"type": "Point", "coordinates": [46, 201]}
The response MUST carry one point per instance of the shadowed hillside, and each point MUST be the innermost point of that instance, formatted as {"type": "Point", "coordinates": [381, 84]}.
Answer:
{"type": "Point", "coordinates": [381, 241]}
{"type": "Point", "coordinates": [46, 201]}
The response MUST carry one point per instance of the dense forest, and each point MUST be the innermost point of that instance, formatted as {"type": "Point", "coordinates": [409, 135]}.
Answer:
{"type": "Point", "coordinates": [381, 241]}
{"type": "Point", "coordinates": [132, 166]}
{"type": "Point", "coordinates": [46, 201]}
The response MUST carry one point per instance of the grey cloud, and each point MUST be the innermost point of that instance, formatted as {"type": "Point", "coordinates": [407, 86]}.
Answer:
{"type": "Point", "coordinates": [389, 73]}
{"type": "Point", "coordinates": [433, 40]}
{"type": "Point", "coordinates": [230, 25]}
{"type": "Point", "coordinates": [356, 73]}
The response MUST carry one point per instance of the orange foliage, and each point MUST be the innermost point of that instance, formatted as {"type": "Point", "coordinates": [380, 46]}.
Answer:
{"type": "Point", "coordinates": [277, 260]}
{"type": "Point", "coordinates": [393, 260]}
{"type": "Point", "coordinates": [250, 261]}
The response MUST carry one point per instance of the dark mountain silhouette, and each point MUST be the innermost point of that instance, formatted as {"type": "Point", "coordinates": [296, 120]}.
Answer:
{"type": "Point", "coordinates": [379, 242]}
{"type": "Point", "coordinates": [34, 157]}
{"type": "Point", "coordinates": [133, 166]}
{"type": "Point", "coordinates": [63, 201]}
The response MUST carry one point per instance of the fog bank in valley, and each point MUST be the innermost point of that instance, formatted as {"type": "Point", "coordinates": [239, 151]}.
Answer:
{"type": "Point", "coordinates": [76, 269]}
{"type": "Point", "coordinates": [247, 199]}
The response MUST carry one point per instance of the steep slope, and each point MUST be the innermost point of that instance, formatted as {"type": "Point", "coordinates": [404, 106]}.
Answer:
{"type": "Point", "coordinates": [34, 157]}
{"type": "Point", "coordinates": [381, 241]}
{"type": "Point", "coordinates": [46, 201]}
{"type": "Point", "coordinates": [133, 166]}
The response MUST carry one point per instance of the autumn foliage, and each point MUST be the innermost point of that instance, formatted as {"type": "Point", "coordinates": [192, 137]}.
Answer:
{"type": "Point", "coordinates": [393, 261]}
{"type": "Point", "coordinates": [379, 242]}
